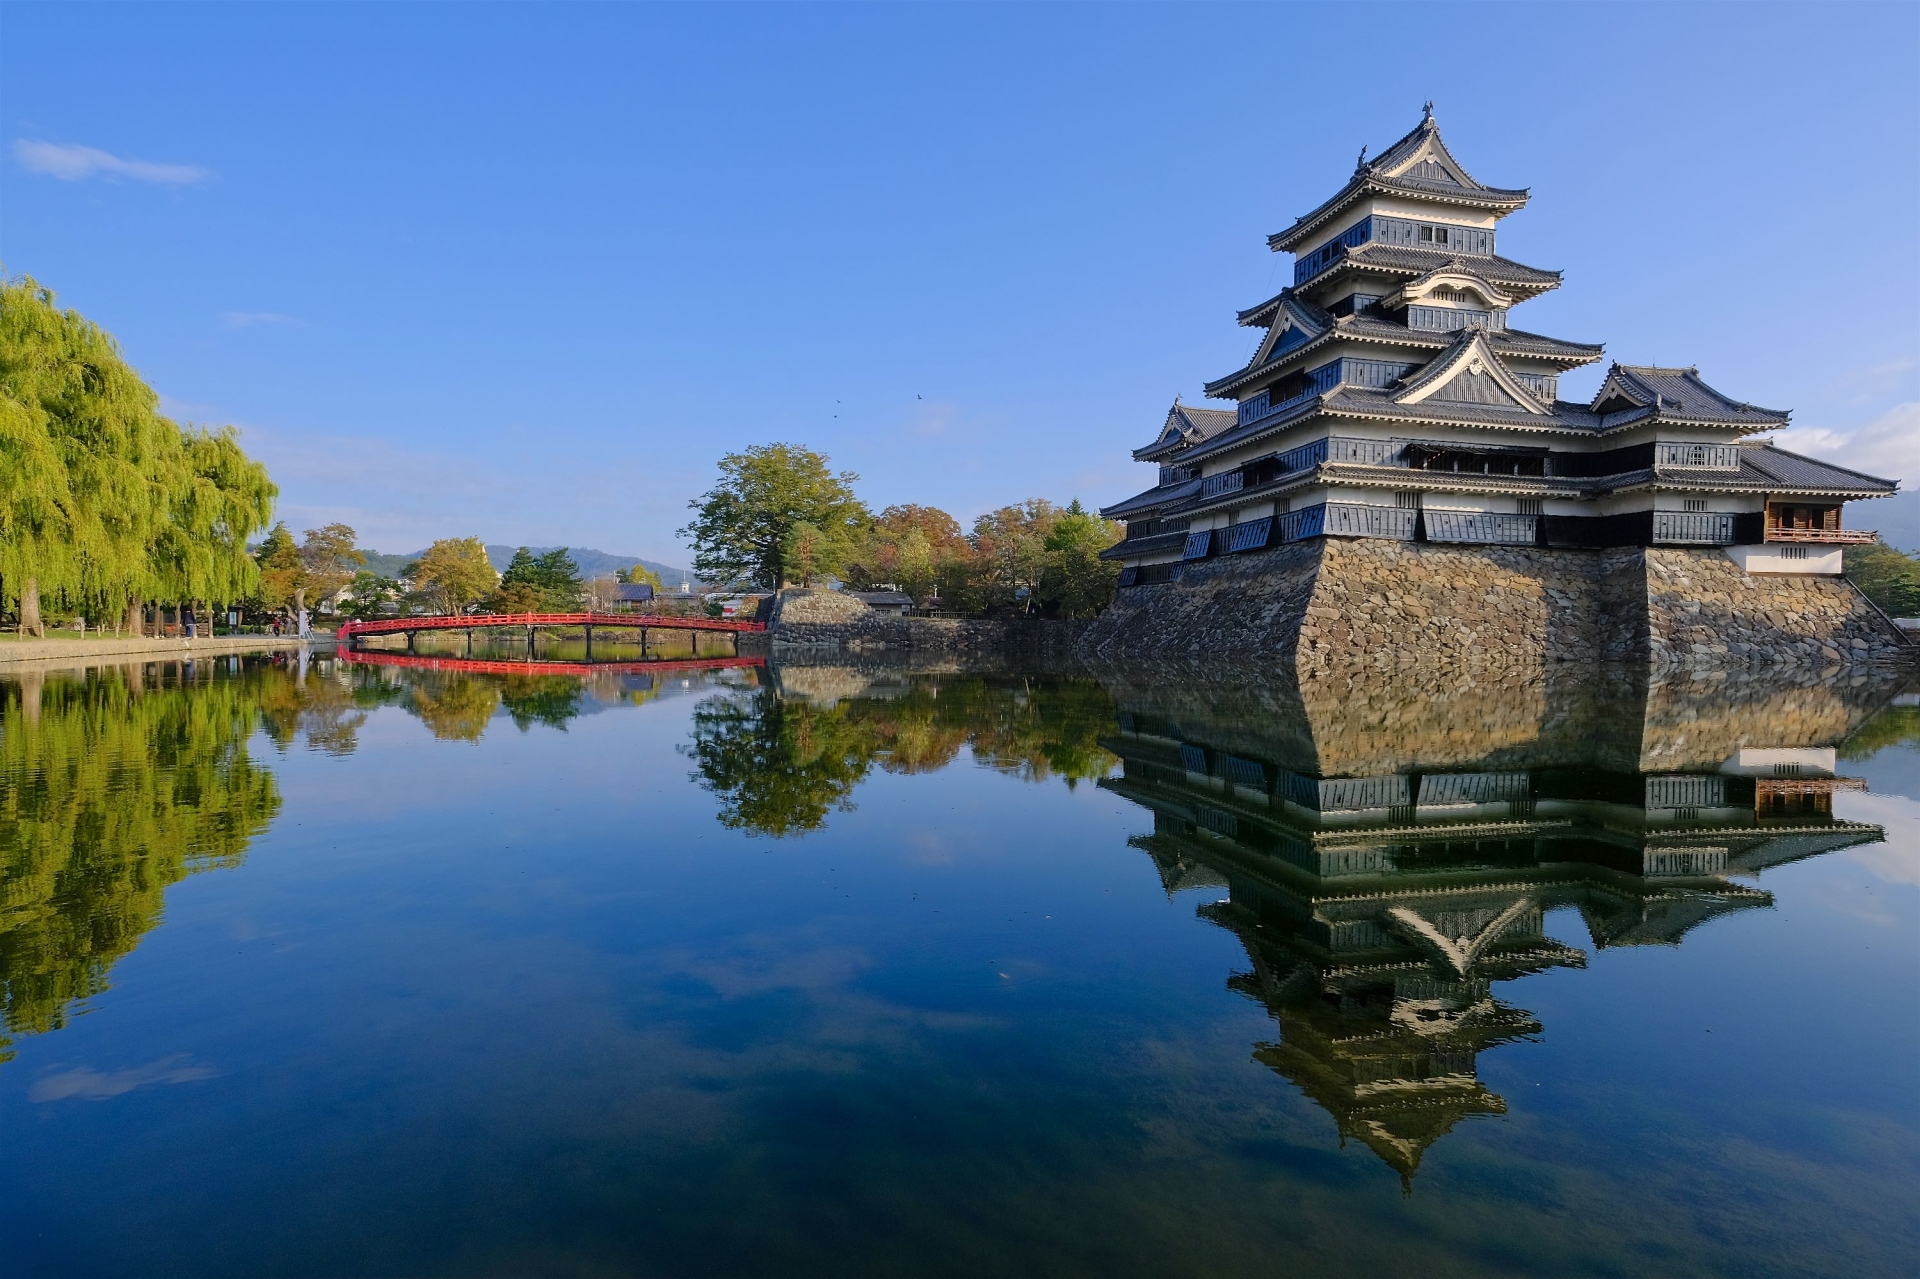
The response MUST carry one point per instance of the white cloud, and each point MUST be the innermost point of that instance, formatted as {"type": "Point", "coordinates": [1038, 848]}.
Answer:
{"type": "Point", "coordinates": [72, 163]}
{"type": "Point", "coordinates": [254, 319]}
{"type": "Point", "coordinates": [1888, 446]}
{"type": "Point", "coordinates": [89, 1084]}
{"type": "Point", "coordinates": [1897, 858]}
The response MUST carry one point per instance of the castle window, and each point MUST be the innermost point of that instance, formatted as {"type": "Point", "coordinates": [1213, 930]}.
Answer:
{"type": "Point", "coordinates": [1694, 504]}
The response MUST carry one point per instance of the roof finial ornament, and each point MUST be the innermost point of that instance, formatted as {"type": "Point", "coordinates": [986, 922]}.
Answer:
{"type": "Point", "coordinates": [1361, 163]}
{"type": "Point", "coordinates": [1428, 109]}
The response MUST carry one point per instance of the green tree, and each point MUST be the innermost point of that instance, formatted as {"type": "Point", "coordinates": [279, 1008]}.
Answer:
{"type": "Point", "coordinates": [281, 572]}
{"type": "Point", "coordinates": [1010, 546]}
{"type": "Point", "coordinates": [1076, 582]}
{"type": "Point", "coordinates": [741, 527]}
{"type": "Point", "coordinates": [453, 573]}
{"type": "Point", "coordinates": [329, 557]}
{"type": "Point", "coordinates": [371, 593]}
{"type": "Point", "coordinates": [919, 549]}
{"type": "Point", "coordinates": [548, 583]}
{"type": "Point", "coordinates": [103, 502]}
{"type": "Point", "coordinates": [558, 578]}
{"type": "Point", "coordinates": [1888, 577]}
{"type": "Point", "coordinates": [808, 554]}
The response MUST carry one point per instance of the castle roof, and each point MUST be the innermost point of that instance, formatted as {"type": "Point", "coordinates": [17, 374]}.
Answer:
{"type": "Point", "coordinates": [1187, 426]}
{"type": "Point", "coordinates": [1409, 261]}
{"type": "Point", "coordinates": [1763, 469]}
{"type": "Point", "coordinates": [1792, 472]}
{"type": "Point", "coordinates": [1678, 395]}
{"type": "Point", "coordinates": [1507, 343]}
{"type": "Point", "coordinates": [1418, 165]}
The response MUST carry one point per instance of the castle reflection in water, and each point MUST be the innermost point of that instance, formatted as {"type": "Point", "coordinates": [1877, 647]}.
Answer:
{"type": "Point", "coordinates": [1389, 842]}
{"type": "Point", "coordinates": [1390, 850]}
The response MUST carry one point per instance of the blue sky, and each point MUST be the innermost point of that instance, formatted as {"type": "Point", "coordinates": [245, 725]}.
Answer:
{"type": "Point", "coordinates": [526, 272]}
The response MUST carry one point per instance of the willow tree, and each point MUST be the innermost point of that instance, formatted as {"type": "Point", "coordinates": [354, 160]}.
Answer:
{"type": "Point", "coordinates": [103, 502]}
{"type": "Point", "coordinates": [218, 498]}
{"type": "Point", "coordinates": [36, 505]}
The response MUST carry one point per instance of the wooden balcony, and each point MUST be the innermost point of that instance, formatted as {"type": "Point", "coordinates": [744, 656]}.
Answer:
{"type": "Point", "coordinates": [1830, 536]}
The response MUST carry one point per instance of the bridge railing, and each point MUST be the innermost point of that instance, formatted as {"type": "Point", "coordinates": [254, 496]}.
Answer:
{"type": "Point", "coordinates": [471, 621]}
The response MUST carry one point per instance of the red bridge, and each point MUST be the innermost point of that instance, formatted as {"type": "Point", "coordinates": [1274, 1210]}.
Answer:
{"type": "Point", "coordinates": [468, 665]}
{"type": "Point", "coordinates": [351, 633]}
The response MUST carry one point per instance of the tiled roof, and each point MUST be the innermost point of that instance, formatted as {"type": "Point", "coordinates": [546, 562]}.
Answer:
{"type": "Point", "coordinates": [1374, 328]}
{"type": "Point", "coordinates": [1377, 176]}
{"type": "Point", "coordinates": [1520, 341]}
{"type": "Point", "coordinates": [1150, 499]}
{"type": "Point", "coordinates": [1187, 426]}
{"type": "Point", "coordinates": [1763, 469]}
{"type": "Point", "coordinates": [1152, 544]}
{"type": "Point", "coordinates": [1365, 402]}
{"type": "Point", "coordinates": [1675, 394]}
{"type": "Point", "coordinates": [1405, 259]}
{"type": "Point", "coordinates": [1503, 341]}
{"type": "Point", "coordinates": [1793, 472]}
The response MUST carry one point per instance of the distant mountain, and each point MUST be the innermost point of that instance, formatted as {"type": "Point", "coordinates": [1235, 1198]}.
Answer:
{"type": "Point", "coordinates": [387, 565]}
{"type": "Point", "coordinates": [592, 563]}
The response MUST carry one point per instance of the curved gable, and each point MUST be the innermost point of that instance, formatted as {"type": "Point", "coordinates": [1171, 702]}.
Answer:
{"type": "Point", "coordinates": [1471, 374]}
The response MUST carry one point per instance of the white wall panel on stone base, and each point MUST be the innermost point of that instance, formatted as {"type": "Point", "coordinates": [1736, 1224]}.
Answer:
{"type": "Point", "coordinates": [1774, 557]}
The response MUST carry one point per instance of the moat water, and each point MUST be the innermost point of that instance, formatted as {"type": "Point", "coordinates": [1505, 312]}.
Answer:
{"type": "Point", "coordinates": [318, 967]}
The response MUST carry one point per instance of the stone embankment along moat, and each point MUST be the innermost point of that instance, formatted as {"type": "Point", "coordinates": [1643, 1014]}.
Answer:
{"type": "Point", "coordinates": [1339, 604]}
{"type": "Point", "coordinates": [804, 621]}
{"type": "Point", "coordinates": [1372, 602]}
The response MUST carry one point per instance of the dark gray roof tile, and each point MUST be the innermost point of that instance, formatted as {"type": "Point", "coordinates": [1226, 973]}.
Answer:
{"type": "Point", "coordinates": [1153, 497]}
{"type": "Point", "coordinates": [1793, 472]}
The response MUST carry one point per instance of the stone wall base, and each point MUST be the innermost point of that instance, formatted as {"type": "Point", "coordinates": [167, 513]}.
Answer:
{"type": "Point", "coordinates": [1338, 603]}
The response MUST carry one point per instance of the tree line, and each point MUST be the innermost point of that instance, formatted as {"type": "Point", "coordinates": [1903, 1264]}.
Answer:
{"type": "Point", "coordinates": [781, 516]}
{"type": "Point", "coordinates": [106, 504]}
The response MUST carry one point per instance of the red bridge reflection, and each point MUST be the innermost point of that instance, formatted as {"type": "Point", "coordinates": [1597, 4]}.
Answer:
{"type": "Point", "coordinates": [481, 666]}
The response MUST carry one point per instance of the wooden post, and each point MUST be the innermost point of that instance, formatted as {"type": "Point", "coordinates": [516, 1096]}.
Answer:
{"type": "Point", "coordinates": [470, 641]}
{"type": "Point", "coordinates": [410, 635]}
{"type": "Point", "coordinates": [529, 643]}
{"type": "Point", "coordinates": [643, 641]}
{"type": "Point", "coordinates": [589, 642]}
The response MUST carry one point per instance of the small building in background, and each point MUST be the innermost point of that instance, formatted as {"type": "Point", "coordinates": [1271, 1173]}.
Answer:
{"type": "Point", "coordinates": [898, 603]}
{"type": "Point", "coordinates": [629, 597]}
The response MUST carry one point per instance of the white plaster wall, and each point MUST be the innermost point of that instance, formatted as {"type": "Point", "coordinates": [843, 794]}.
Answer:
{"type": "Point", "coordinates": [1770, 557]}
{"type": "Point", "coordinates": [1396, 207]}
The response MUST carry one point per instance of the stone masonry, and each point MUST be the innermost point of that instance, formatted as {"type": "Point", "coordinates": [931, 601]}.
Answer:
{"type": "Point", "coordinates": [1343, 603]}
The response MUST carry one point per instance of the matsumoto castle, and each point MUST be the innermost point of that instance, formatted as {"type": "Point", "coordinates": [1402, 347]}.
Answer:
{"type": "Point", "coordinates": [1392, 397]}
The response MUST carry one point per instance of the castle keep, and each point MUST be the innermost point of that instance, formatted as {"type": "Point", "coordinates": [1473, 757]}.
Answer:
{"type": "Point", "coordinates": [1393, 405]}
